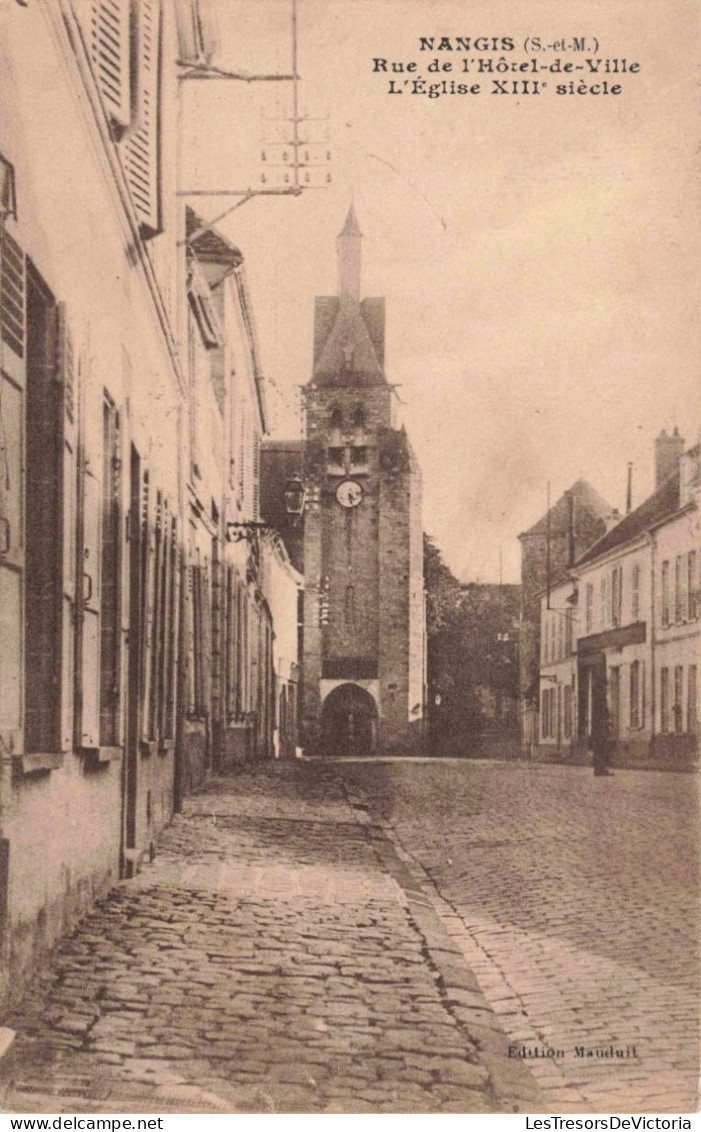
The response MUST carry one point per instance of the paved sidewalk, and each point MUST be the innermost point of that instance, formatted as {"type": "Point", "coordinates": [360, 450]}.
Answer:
{"type": "Point", "coordinates": [276, 957]}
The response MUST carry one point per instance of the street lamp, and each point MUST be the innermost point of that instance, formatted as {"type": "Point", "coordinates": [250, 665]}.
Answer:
{"type": "Point", "coordinates": [295, 497]}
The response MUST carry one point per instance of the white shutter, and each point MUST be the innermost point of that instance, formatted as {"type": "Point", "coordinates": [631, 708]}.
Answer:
{"type": "Point", "coordinates": [141, 146]}
{"type": "Point", "coordinates": [106, 25]}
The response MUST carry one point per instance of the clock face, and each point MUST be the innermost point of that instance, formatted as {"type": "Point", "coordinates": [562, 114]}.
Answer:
{"type": "Point", "coordinates": [349, 493]}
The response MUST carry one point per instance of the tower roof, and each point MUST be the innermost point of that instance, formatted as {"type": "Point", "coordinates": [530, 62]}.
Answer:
{"type": "Point", "coordinates": [345, 353]}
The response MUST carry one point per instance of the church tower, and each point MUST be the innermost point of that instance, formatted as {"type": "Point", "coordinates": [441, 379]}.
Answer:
{"type": "Point", "coordinates": [364, 624]}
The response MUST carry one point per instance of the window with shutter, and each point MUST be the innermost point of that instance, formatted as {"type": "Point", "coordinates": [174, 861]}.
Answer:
{"type": "Point", "coordinates": [157, 610]}
{"type": "Point", "coordinates": [147, 607]}
{"type": "Point", "coordinates": [664, 700]}
{"type": "Point", "coordinates": [67, 371]}
{"type": "Point", "coordinates": [106, 28]}
{"type": "Point", "coordinates": [692, 713]}
{"type": "Point", "coordinates": [11, 294]}
{"type": "Point", "coordinates": [110, 604]}
{"type": "Point", "coordinates": [666, 605]}
{"type": "Point", "coordinates": [172, 632]}
{"type": "Point", "coordinates": [634, 696]}
{"type": "Point", "coordinates": [12, 408]}
{"type": "Point", "coordinates": [255, 472]}
{"type": "Point", "coordinates": [635, 592]}
{"type": "Point", "coordinates": [141, 145]}
{"type": "Point", "coordinates": [89, 589]}
{"type": "Point", "coordinates": [50, 503]}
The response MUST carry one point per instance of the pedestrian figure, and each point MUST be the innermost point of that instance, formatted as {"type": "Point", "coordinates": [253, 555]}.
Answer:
{"type": "Point", "coordinates": [600, 738]}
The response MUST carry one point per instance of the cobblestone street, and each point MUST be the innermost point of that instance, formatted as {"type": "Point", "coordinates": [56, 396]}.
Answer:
{"type": "Point", "coordinates": [575, 901]}
{"type": "Point", "coordinates": [276, 957]}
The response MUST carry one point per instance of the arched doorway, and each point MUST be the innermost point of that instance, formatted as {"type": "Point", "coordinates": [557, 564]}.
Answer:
{"type": "Point", "coordinates": [349, 722]}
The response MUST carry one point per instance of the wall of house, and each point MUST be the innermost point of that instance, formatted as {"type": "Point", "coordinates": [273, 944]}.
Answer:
{"type": "Point", "coordinates": [73, 228]}
{"type": "Point", "coordinates": [557, 716]}
{"type": "Point", "coordinates": [677, 634]}
{"type": "Point", "coordinates": [284, 585]}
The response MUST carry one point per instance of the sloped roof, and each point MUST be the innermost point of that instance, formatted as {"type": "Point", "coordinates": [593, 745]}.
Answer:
{"type": "Point", "coordinates": [585, 496]}
{"type": "Point", "coordinates": [658, 506]}
{"type": "Point", "coordinates": [210, 246]}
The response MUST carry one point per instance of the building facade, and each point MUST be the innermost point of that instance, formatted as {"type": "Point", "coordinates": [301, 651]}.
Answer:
{"type": "Point", "coordinates": [633, 649]}
{"type": "Point", "coordinates": [548, 549]}
{"type": "Point", "coordinates": [137, 633]}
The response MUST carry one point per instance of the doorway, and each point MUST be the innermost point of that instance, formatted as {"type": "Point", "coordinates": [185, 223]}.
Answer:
{"type": "Point", "coordinates": [349, 722]}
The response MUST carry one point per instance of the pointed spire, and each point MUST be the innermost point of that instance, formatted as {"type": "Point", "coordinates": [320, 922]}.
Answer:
{"type": "Point", "coordinates": [348, 251]}
{"type": "Point", "coordinates": [351, 226]}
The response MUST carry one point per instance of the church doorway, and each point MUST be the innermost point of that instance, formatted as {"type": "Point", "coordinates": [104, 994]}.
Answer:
{"type": "Point", "coordinates": [349, 722]}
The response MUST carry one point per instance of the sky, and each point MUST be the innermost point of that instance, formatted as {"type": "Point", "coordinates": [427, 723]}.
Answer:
{"type": "Point", "coordinates": [537, 253]}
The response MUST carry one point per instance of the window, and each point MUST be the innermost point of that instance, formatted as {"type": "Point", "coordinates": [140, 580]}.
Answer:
{"type": "Point", "coordinates": [692, 586]}
{"type": "Point", "coordinates": [664, 700]}
{"type": "Point", "coordinates": [635, 592]}
{"type": "Point", "coordinates": [110, 593]}
{"type": "Point", "coordinates": [50, 495]}
{"type": "Point", "coordinates": [569, 700]}
{"type": "Point", "coordinates": [635, 695]}
{"type": "Point", "coordinates": [256, 474]}
{"type": "Point", "coordinates": [547, 725]}
{"type": "Point", "coordinates": [359, 456]}
{"type": "Point", "coordinates": [108, 28]}
{"type": "Point", "coordinates": [616, 595]}
{"type": "Point", "coordinates": [124, 44]}
{"type": "Point", "coordinates": [358, 419]}
{"type": "Point", "coordinates": [199, 641]}
{"type": "Point", "coordinates": [589, 607]}
{"type": "Point", "coordinates": [692, 715]}
{"type": "Point", "coordinates": [665, 595]}
{"type": "Point", "coordinates": [12, 540]}
{"type": "Point", "coordinates": [603, 602]}
{"type": "Point", "coordinates": [615, 699]}
{"type": "Point", "coordinates": [678, 698]}
{"type": "Point", "coordinates": [161, 581]}
{"type": "Point", "coordinates": [12, 295]}
{"type": "Point", "coordinates": [336, 459]}
{"type": "Point", "coordinates": [679, 588]}
{"type": "Point", "coordinates": [349, 610]}
{"type": "Point", "coordinates": [336, 419]}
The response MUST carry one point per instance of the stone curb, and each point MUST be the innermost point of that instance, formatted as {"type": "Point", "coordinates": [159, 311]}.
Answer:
{"type": "Point", "coordinates": [512, 1085]}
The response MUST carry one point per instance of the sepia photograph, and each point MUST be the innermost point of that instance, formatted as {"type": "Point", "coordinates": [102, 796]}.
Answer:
{"type": "Point", "coordinates": [350, 535]}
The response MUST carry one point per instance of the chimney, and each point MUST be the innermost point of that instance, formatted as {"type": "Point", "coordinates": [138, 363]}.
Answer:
{"type": "Point", "coordinates": [668, 450]}
{"type": "Point", "coordinates": [629, 489]}
{"type": "Point", "coordinates": [348, 251]}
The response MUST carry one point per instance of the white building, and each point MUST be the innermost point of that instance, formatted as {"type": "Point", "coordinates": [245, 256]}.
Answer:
{"type": "Point", "coordinates": [558, 671]}
{"type": "Point", "coordinates": [637, 625]}
{"type": "Point", "coordinates": [137, 632]}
